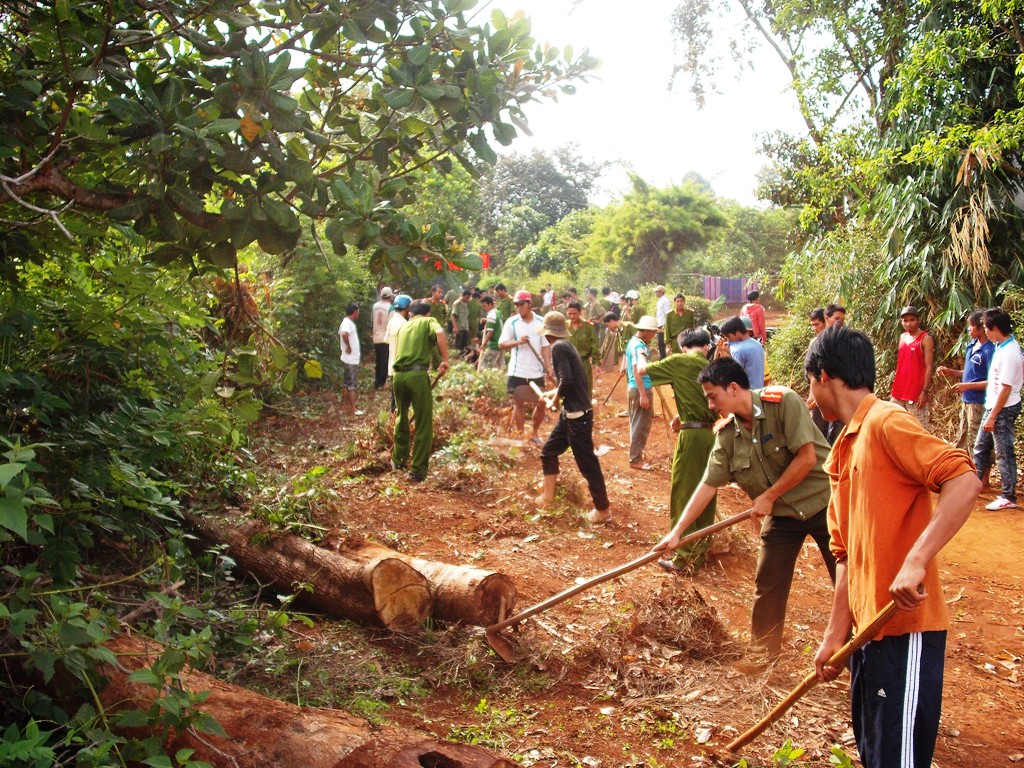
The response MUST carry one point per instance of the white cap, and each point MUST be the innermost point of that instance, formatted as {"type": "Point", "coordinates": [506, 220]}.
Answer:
{"type": "Point", "coordinates": [386, 293]}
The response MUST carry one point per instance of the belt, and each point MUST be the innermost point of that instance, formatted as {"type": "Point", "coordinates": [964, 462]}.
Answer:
{"type": "Point", "coordinates": [576, 414]}
{"type": "Point", "coordinates": [690, 424]}
{"type": "Point", "coordinates": [407, 368]}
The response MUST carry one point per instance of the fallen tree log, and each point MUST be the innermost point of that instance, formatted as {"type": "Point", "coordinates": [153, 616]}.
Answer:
{"type": "Point", "coordinates": [461, 594]}
{"type": "Point", "coordinates": [266, 732]}
{"type": "Point", "coordinates": [387, 590]}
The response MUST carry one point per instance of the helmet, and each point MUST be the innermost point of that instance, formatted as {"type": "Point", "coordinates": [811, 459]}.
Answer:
{"type": "Point", "coordinates": [632, 295]}
{"type": "Point", "coordinates": [402, 301]}
{"type": "Point", "coordinates": [523, 296]}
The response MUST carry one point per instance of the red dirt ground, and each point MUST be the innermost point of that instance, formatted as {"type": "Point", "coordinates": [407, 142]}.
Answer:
{"type": "Point", "coordinates": [569, 697]}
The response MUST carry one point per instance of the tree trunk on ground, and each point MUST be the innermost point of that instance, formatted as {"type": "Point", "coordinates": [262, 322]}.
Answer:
{"type": "Point", "coordinates": [265, 732]}
{"type": "Point", "coordinates": [461, 594]}
{"type": "Point", "coordinates": [388, 590]}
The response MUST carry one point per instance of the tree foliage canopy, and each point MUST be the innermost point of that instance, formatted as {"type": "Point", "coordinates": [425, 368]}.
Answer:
{"type": "Point", "coordinates": [644, 232]}
{"type": "Point", "coordinates": [209, 127]}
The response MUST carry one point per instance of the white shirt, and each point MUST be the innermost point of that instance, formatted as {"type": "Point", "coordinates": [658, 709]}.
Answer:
{"type": "Point", "coordinates": [1007, 368]}
{"type": "Point", "coordinates": [522, 362]}
{"type": "Point", "coordinates": [380, 313]}
{"type": "Point", "coordinates": [347, 326]}
{"type": "Point", "coordinates": [391, 338]}
{"type": "Point", "coordinates": [661, 310]}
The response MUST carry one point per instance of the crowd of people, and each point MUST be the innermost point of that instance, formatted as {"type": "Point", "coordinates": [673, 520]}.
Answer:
{"type": "Point", "coordinates": [854, 473]}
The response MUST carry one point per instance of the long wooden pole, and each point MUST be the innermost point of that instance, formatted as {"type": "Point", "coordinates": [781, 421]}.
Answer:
{"type": "Point", "coordinates": [607, 575]}
{"type": "Point", "coordinates": [838, 660]}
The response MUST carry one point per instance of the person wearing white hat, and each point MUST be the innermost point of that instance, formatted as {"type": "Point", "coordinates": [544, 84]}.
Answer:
{"type": "Point", "coordinates": [524, 329]}
{"type": "Point", "coordinates": [638, 391]}
{"type": "Point", "coordinates": [379, 315]}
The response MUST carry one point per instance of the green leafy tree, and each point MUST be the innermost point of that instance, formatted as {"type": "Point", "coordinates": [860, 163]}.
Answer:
{"type": "Point", "coordinates": [209, 127]}
{"type": "Point", "coordinates": [649, 229]}
{"type": "Point", "coordinates": [948, 171]}
{"type": "Point", "coordinates": [525, 194]}
{"type": "Point", "coordinates": [559, 248]}
{"type": "Point", "coordinates": [757, 242]}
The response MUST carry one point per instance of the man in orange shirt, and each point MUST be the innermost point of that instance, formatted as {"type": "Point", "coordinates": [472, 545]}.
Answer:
{"type": "Point", "coordinates": [884, 468]}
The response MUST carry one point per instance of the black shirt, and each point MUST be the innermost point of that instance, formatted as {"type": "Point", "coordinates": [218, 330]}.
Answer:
{"type": "Point", "coordinates": [571, 378]}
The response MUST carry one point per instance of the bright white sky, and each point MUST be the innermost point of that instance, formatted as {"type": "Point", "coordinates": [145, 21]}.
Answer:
{"type": "Point", "coordinates": [626, 112]}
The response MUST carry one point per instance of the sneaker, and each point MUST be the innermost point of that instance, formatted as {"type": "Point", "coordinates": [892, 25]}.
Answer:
{"type": "Point", "coordinates": [1000, 503]}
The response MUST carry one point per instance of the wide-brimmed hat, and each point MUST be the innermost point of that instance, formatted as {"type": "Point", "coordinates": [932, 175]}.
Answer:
{"type": "Point", "coordinates": [647, 323]}
{"type": "Point", "coordinates": [554, 325]}
{"type": "Point", "coordinates": [910, 309]}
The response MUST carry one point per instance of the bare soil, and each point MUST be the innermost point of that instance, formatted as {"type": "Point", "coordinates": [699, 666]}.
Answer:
{"type": "Point", "coordinates": [642, 670]}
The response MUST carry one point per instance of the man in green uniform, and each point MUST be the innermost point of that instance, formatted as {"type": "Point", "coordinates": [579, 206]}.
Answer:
{"type": "Point", "coordinates": [583, 336]}
{"type": "Point", "coordinates": [770, 447]}
{"type": "Point", "coordinates": [416, 339]}
{"type": "Point", "coordinates": [693, 422]}
{"type": "Point", "coordinates": [678, 320]}
{"type": "Point", "coordinates": [491, 355]}
{"type": "Point", "coordinates": [503, 302]}
{"type": "Point", "coordinates": [618, 332]}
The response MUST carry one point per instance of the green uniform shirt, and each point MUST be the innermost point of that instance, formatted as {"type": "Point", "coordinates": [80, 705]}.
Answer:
{"type": "Point", "coordinates": [676, 324]}
{"type": "Point", "coordinates": [627, 330]}
{"type": "Point", "coordinates": [476, 309]}
{"type": "Point", "coordinates": [506, 306]}
{"type": "Point", "coordinates": [439, 311]}
{"type": "Point", "coordinates": [756, 459]}
{"type": "Point", "coordinates": [460, 314]}
{"type": "Point", "coordinates": [494, 326]}
{"type": "Point", "coordinates": [681, 371]}
{"type": "Point", "coordinates": [415, 340]}
{"type": "Point", "coordinates": [584, 339]}
{"type": "Point", "coordinates": [595, 311]}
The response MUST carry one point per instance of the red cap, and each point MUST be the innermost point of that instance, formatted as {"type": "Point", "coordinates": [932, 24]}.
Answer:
{"type": "Point", "coordinates": [523, 296]}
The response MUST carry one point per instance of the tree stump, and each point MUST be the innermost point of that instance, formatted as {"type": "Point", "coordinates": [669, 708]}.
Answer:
{"type": "Point", "coordinates": [461, 594]}
{"type": "Point", "coordinates": [387, 591]}
{"type": "Point", "coordinates": [265, 732]}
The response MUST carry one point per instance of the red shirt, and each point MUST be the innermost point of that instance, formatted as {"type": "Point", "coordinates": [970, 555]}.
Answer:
{"type": "Point", "coordinates": [756, 314]}
{"type": "Point", "coordinates": [910, 369]}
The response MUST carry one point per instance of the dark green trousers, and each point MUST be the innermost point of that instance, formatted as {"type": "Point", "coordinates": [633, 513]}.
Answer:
{"type": "Point", "coordinates": [413, 388]}
{"type": "Point", "coordinates": [693, 446]}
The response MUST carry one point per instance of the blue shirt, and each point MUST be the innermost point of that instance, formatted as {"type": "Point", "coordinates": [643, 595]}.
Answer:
{"type": "Point", "coordinates": [977, 361]}
{"type": "Point", "coordinates": [636, 350]}
{"type": "Point", "coordinates": [750, 354]}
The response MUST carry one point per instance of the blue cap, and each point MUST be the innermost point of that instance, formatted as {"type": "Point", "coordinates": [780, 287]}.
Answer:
{"type": "Point", "coordinates": [402, 301]}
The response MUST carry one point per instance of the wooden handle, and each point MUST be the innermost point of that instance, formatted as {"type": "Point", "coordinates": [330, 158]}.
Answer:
{"type": "Point", "coordinates": [600, 579]}
{"type": "Point", "coordinates": [838, 660]}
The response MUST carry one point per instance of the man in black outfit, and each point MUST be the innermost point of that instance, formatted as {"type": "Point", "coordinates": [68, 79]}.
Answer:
{"type": "Point", "coordinates": [575, 427]}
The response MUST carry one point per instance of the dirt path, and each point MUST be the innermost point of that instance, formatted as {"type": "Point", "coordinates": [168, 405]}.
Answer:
{"type": "Point", "coordinates": [593, 686]}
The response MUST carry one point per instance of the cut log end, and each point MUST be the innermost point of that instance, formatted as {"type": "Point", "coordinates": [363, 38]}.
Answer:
{"type": "Point", "coordinates": [401, 594]}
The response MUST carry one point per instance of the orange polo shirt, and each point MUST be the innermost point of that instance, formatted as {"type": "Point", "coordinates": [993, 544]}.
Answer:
{"type": "Point", "coordinates": [884, 468]}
